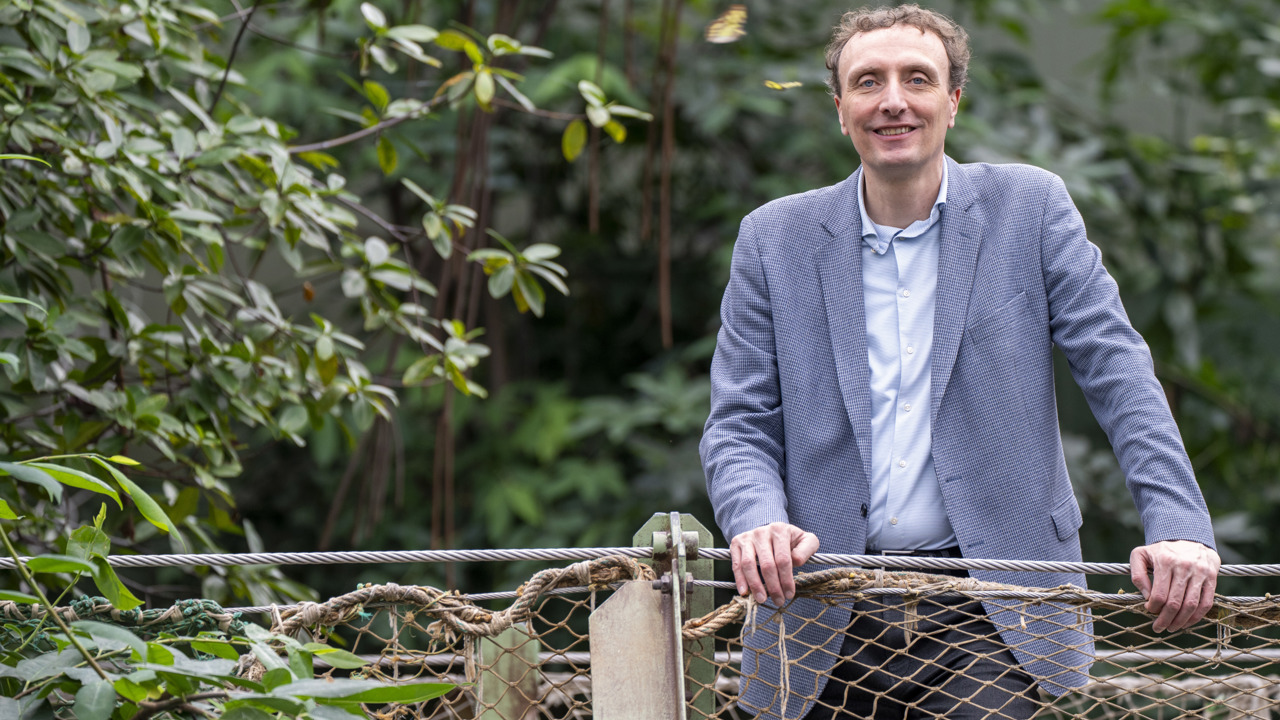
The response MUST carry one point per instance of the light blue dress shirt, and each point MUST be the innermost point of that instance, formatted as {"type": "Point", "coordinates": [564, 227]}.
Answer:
{"type": "Point", "coordinates": [900, 281]}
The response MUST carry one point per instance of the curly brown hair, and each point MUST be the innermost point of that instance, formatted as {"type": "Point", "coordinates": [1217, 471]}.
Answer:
{"type": "Point", "coordinates": [954, 38]}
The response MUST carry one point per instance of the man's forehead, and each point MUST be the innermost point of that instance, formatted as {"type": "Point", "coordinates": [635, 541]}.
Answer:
{"type": "Point", "coordinates": [855, 48]}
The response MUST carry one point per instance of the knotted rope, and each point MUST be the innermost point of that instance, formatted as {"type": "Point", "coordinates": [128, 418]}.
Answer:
{"type": "Point", "coordinates": [455, 616]}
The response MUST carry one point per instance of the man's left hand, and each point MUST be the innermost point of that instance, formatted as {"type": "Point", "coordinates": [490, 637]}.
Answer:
{"type": "Point", "coordinates": [1185, 576]}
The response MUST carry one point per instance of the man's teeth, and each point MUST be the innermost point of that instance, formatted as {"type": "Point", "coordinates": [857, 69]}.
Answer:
{"type": "Point", "coordinates": [894, 131]}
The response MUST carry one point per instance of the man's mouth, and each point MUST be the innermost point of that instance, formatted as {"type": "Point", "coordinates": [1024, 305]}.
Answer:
{"type": "Point", "coordinates": [894, 131]}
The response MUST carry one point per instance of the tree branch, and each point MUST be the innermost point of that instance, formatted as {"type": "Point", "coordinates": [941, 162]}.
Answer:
{"type": "Point", "coordinates": [231, 58]}
{"type": "Point", "coordinates": [147, 710]}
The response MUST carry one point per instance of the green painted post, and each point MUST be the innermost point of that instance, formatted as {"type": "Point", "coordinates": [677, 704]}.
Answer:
{"type": "Point", "coordinates": [699, 654]}
{"type": "Point", "coordinates": [509, 675]}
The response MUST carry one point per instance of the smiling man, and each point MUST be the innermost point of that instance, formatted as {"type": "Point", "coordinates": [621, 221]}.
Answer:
{"type": "Point", "coordinates": [883, 383]}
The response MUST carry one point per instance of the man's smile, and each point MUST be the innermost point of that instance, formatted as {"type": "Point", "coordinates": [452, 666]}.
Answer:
{"type": "Point", "coordinates": [894, 131]}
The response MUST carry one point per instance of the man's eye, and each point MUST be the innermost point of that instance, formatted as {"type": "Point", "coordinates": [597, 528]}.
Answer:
{"type": "Point", "coordinates": [917, 81]}
{"type": "Point", "coordinates": [868, 83]}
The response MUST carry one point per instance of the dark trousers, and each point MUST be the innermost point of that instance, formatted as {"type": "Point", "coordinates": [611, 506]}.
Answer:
{"type": "Point", "coordinates": [951, 665]}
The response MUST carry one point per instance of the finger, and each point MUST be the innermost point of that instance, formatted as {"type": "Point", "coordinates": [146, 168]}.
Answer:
{"type": "Point", "coordinates": [1170, 586]}
{"type": "Point", "coordinates": [739, 577]}
{"type": "Point", "coordinates": [1206, 598]}
{"type": "Point", "coordinates": [805, 547]}
{"type": "Point", "coordinates": [751, 571]}
{"type": "Point", "coordinates": [781, 538]}
{"type": "Point", "coordinates": [1139, 567]}
{"type": "Point", "coordinates": [767, 560]}
{"type": "Point", "coordinates": [1188, 605]}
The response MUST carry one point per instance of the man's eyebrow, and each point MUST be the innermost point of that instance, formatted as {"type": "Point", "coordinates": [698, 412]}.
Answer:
{"type": "Point", "coordinates": [859, 70]}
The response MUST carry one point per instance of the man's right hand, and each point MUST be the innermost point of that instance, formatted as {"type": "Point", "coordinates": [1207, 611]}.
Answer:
{"type": "Point", "coordinates": [763, 560]}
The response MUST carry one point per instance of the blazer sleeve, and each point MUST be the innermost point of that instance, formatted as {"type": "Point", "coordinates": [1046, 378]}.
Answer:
{"type": "Point", "coordinates": [1112, 364]}
{"type": "Point", "coordinates": [742, 443]}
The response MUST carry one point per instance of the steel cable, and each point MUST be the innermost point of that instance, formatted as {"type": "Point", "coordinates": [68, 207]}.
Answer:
{"type": "Point", "coordinates": [517, 554]}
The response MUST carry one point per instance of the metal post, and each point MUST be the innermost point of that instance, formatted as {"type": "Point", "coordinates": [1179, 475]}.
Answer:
{"type": "Point", "coordinates": [676, 539]}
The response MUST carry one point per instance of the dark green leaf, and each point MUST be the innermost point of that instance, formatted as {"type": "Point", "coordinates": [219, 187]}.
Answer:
{"type": "Point", "coordinates": [95, 701]}
{"type": "Point", "coordinates": [35, 476]}
{"type": "Point", "coordinates": [386, 155]}
{"type": "Point", "coordinates": [59, 563]}
{"type": "Point", "coordinates": [148, 507]}
{"type": "Point", "coordinates": [363, 691]}
{"type": "Point", "coordinates": [75, 478]}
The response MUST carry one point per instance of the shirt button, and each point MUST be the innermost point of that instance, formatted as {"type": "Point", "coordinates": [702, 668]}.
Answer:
{"type": "Point", "coordinates": [902, 463]}
{"type": "Point", "coordinates": [911, 349]}
{"type": "Point", "coordinates": [906, 292]}
{"type": "Point", "coordinates": [893, 521]}
{"type": "Point", "coordinates": [906, 407]}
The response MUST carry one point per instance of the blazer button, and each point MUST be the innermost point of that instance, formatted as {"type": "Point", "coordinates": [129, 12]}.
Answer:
{"type": "Point", "coordinates": [864, 509]}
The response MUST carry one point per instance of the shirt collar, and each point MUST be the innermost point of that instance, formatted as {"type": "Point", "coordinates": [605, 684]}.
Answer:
{"type": "Point", "coordinates": [915, 229]}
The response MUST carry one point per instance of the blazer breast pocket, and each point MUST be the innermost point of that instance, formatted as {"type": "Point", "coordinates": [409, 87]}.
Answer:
{"type": "Point", "coordinates": [999, 319]}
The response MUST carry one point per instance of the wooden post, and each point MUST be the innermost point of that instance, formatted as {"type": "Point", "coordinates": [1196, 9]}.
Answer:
{"type": "Point", "coordinates": [635, 661]}
{"type": "Point", "coordinates": [509, 675]}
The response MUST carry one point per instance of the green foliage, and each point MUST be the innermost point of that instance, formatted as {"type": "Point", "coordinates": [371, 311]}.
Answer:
{"type": "Point", "coordinates": [98, 671]}
{"type": "Point", "coordinates": [151, 258]}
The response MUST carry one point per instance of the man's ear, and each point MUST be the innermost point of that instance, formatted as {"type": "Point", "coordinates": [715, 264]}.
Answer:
{"type": "Point", "coordinates": [844, 130]}
{"type": "Point", "coordinates": [955, 106]}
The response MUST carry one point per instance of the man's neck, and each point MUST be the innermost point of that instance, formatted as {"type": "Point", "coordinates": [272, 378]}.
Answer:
{"type": "Point", "coordinates": [898, 202]}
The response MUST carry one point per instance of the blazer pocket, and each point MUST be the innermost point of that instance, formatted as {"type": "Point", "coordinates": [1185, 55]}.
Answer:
{"type": "Point", "coordinates": [1066, 518]}
{"type": "Point", "coordinates": [1001, 317]}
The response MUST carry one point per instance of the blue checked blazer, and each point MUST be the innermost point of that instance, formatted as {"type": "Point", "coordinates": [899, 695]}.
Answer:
{"type": "Point", "coordinates": [789, 435]}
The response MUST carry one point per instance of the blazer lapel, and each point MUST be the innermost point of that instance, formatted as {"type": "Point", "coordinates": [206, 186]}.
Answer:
{"type": "Point", "coordinates": [957, 264]}
{"type": "Point", "coordinates": [840, 275]}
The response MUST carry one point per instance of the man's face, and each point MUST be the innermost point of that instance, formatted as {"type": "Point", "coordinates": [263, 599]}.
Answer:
{"type": "Point", "coordinates": [894, 101]}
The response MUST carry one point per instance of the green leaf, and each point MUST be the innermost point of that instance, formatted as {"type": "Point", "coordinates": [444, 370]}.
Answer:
{"type": "Point", "coordinates": [148, 507]}
{"type": "Point", "coordinates": [541, 251]}
{"type": "Point", "coordinates": [337, 657]}
{"type": "Point", "coordinates": [52, 563]}
{"type": "Point", "coordinates": [510, 87]}
{"type": "Point", "coordinates": [416, 33]}
{"type": "Point", "coordinates": [616, 131]}
{"type": "Point", "coordinates": [362, 691]}
{"type": "Point", "coordinates": [24, 301]}
{"type": "Point", "coordinates": [421, 369]}
{"type": "Point", "coordinates": [14, 156]}
{"type": "Point", "coordinates": [18, 597]}
{"type": "Point", "coordinates": [377, 94]}
{"type": "Point", "coordinates": [217, 649]}
{"type": "Point", "coordinates": [245, 712]}
{"type": "Point", "coordinates": [501, 280]}
{"type": "Point", "coordinates": [531, 291]}
{"type": "Point", "coordinates": [77, 479]}
{"type": "Point", "coordinates": [598, 116]}
{"type": "Point", "coordinates": [387, 155]}
{"type": "Point", "coordinates": [417, 190]}
{"type": "Point", "coordinates": [372, 15]}
{"type": "Point", "coordinates": [108, 583]}
{"type": "Point", "coordinates": [324, 347]}
{"type": "Point", "coordinates": [6, 512]}
{"type": "Point", "coordinates": [484, 87]}
{"type": "Point", "coordinates": [122, 460]}
{"type": "Point", "coordinates": [35, 476]}
{"type": "Point", "coordinates": [100, 631]}
{"type": "Point", "coordinates": [95, 701]}
{"type": "Point", "coordinates": [573, 140]}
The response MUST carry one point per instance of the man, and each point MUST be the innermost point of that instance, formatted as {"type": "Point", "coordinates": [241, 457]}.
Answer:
{"type": "Point", "coordinates": [883, 383]}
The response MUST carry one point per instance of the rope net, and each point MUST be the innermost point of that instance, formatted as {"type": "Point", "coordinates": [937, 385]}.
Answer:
{"type": "Point", "coordinates": [854, 643]}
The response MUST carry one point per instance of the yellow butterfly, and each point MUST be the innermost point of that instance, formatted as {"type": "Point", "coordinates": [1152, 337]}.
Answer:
{"type": "Point", "coordinates": [782, 85]}
{"type": "Point", "coordinates": [730, 26]}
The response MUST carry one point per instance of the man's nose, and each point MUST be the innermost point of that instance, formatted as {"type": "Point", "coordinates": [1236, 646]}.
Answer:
{"type": "Point", "coordinates": [893, 100]}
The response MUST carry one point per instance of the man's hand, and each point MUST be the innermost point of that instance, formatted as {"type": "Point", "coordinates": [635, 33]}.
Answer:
{"type": "Point", "coordinates": [763, 560]}
{"type": "Point", "coordinates": [1185, 578]}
